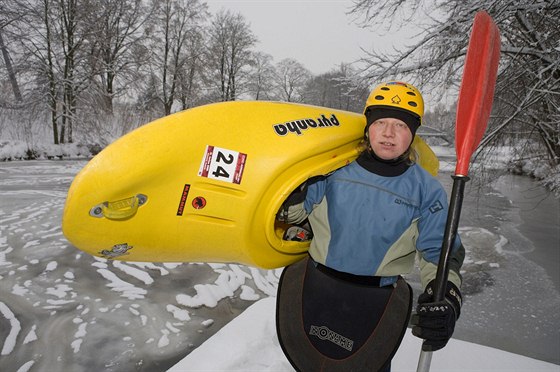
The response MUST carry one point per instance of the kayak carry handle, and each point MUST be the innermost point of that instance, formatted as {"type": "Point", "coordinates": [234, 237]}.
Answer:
{"type": "Point", "coordinates": [120, 209]}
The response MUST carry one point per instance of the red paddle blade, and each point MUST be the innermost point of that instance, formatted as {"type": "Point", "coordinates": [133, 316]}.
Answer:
{"type": "Point", "coordinates": [477, 89]}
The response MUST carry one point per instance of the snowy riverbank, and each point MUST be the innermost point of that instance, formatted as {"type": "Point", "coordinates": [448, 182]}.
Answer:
{"type": "Point", "coordinates": [502, 158]}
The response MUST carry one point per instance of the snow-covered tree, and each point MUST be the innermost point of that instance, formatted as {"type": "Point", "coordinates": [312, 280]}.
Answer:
{"type": "Point", "coordinates": [9, 68]}
{"type": "Point", "coordinates": [229, 54]}
{"type": "Point", "coordinates": [174, 24]}
{"type": "Point", "coordinates": [261, 79]}
{"type": "Point", "coordinates": [341, 88]}
{"type": "Point", "coordinates": [291, 78]}
{"type": "Point", "coordinates": [55, 45]}
{"type": "Point", "coordinates": [526, 111]}
{"type": "Point", "coordinates": [118, 26]}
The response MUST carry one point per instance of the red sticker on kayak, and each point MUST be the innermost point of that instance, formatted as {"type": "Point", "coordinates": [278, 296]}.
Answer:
{"type": "Point", "coordinates": [199, 202]}
{"type": "Point", "coordinates": [183, 201]}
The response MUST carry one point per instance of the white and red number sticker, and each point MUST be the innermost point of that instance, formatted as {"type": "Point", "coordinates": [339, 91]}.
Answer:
{"type": "Point", "coordinates": [222, 164]}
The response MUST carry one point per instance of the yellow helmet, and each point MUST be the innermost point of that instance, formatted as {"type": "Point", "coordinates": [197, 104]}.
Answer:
{"type": "Point", "coordinates": [395, 99]}
{"type": "Point", "coordinates": [397, 94]}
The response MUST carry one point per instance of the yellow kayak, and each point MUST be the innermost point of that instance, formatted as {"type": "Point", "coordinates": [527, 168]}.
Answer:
{"type": "Point", "coordinates": [205, 184]}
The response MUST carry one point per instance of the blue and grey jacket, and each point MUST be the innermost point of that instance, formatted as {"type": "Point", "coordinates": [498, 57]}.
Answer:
{"type": "Point", "coordinates": [367, 224]}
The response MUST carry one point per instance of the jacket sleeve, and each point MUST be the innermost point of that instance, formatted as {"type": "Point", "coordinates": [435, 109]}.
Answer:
{"type": "Point", "coordinates": [431, 229]}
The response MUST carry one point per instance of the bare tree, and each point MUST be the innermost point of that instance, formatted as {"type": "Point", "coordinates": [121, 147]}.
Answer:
{"type": "Point", "coordinates": [9, 17]}
{"type": "Point", "coordinates": [190, 74]}
{"type": "Point", "coordinates": [55, 40]}
{"type": "Point", "coordinates": [175, 23]}
{"type": "Point", "coordinates": [229, 53]}
{"type": "Point", "coordinates": [341, 88]}
{"type": "Point", "coordinates": [9, 68]}
{"type": "Point", "coordinates": [291, 78]}
{"type": "Point", "coordinates": [261, 77]}
{"type": "Point", "coordinates": [117, 34]}
{"type": "Point", "coordinates": [37, 27]}
{"type": "Point", "coordinates": [527, 97]}
{"type": "Point", "coordinates": [71, 41]}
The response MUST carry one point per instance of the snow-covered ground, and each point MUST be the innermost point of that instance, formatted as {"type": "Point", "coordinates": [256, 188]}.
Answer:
{"type": "Point", "coordinates": [61, 309]}
{"type": "Point", "coordinates": [249, 343]}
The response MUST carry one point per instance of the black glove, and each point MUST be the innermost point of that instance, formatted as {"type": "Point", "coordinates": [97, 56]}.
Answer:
{"type": "Point", "coordinates": [435, 321]}
{"type": "Point", "coordinates": [296, 197]}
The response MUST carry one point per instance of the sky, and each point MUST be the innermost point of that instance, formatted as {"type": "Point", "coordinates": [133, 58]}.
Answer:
{"type": "Point", "coordinates": [317, 33]}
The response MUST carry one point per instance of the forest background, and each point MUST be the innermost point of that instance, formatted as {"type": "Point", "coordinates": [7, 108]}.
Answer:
{"type": "Point", "coordinates": [77, 74]}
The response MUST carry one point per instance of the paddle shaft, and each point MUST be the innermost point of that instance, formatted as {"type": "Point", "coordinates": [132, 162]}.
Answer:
{"type": "Point", "coordinates": [473, 111]}
{"type": "Point", "coordinates": [451, 228]}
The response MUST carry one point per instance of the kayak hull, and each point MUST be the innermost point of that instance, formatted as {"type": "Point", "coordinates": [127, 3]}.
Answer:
{"type": "Point", "coordinates": [205, 184]}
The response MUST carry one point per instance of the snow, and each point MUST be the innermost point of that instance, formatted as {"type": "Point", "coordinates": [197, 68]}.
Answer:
{"type": "Point", "coordinates": [249, 343]}
{"type": "Point", "coordinates": [127, 289]}
{"type": "Point", "coordinates": [15, 328]}
{"type": "Point", "coordinates": [19, 150]}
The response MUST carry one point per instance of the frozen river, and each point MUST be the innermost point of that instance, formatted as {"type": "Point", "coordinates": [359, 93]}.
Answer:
{"type": "Point", "coordinates": [61, 309]}
{"type": "Point", "coordinates": [512, 270]}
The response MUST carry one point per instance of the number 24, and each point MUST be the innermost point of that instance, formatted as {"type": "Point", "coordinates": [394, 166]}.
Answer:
{"type": "Point", "coordinates": [222, 158]}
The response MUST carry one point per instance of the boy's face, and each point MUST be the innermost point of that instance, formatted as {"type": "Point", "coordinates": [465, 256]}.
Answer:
{"type": "Point", "coordinates": [389, 138]}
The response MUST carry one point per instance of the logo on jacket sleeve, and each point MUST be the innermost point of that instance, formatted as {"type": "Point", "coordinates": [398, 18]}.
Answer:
{"type": "Point", "coordinates": [407, 203]}
{"type": "Point", "coordinates": [436, 207]}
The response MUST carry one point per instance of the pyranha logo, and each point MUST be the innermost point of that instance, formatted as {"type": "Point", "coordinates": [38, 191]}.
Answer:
{"type": "Point", "coordinates": [325, 333]}
{"type": "Point", "coordinates": [297, 126]}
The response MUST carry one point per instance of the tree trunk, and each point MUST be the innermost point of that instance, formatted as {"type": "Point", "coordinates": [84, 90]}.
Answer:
{"type": "Point", "coordinates": [49, 67]}
{"type": "Point", "coordinates": [9, 68]}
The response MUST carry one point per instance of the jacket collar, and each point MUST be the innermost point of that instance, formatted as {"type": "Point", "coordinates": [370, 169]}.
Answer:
{"type": "Point", "coordinates": [387, 168]}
